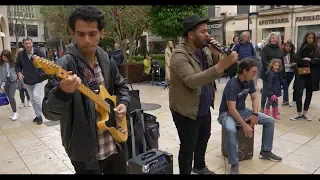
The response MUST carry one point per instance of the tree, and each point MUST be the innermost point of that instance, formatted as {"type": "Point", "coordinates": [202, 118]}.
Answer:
{"type": "Point", "coordinates": [17, 17]}
{"type": "Point", "coordinates": [125, 24]}
{"type": "Point", "coordinates": [56, 20]}
{"type": "Point", "coordinates": [167, 21]}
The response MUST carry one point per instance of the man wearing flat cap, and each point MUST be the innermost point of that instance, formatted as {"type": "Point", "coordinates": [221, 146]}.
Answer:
{"type": "Point", "coordinates": [194, 66]}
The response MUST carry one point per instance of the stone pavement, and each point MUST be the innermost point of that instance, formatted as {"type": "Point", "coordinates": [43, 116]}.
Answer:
{"type": "Point", "coordinates": [27, 148]}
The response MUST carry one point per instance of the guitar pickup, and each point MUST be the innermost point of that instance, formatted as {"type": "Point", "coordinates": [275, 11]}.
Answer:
{"type": "Point", "coordinates": [121, 129]}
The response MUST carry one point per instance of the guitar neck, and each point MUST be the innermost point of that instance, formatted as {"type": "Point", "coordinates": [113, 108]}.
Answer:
{"type": "Point", "coordinates": [51, 68]}
{"type": "Point", "coordinates": [93, 96]}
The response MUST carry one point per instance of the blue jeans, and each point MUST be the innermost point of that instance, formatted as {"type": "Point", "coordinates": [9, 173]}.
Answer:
{"type": "Point", "coordinates": [229, 124]}
{"type": "Point", "coordinates": [286, 84]}
{"type": "Point", "coordinates": [36, 97]}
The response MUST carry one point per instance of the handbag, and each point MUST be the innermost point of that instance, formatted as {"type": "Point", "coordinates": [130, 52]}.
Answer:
{"type": "Point", "coordinates": [304, 70]}
{"type": "Point", "coordinates": [3, 99]}
{"type": "Point", "coordinates": [135, 102]}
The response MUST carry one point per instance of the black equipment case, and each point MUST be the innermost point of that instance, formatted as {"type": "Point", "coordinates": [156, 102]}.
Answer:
{"type": "Point", "coordinates": [153, 161]}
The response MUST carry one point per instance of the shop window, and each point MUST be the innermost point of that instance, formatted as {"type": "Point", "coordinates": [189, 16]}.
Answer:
{"type": "Point", "coordinates": [303, 30]}
{"type": "Point", "coordinates": [19, 29]}
{"type": "Point", "coordinates": [267, 31]}
{"type": "Point", "coordinates": [211, 11]}
{"type": "Point", "coordinates": [243, 9]}
{"type": "Point", "coordinates": [32, 30]}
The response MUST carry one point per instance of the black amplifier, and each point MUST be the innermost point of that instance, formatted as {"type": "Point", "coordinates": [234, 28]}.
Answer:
{"type": "Point", "coordinates": [244, 144]}
{"type": "Point", "coordinates": [153, 161]}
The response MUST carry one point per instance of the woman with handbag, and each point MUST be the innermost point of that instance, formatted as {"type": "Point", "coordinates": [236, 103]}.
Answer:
{"type": "Point", "coordinates": [307, 74]}
{"type": "Point", "coordinates": [8, 79]}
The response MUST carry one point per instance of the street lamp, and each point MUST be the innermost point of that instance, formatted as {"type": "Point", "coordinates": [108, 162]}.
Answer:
{"type": "Point", "coordinates": [249, 16]}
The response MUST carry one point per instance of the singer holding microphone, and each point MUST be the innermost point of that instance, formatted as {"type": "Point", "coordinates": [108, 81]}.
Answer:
{"type": "Point", "coordinates": [194, 66]}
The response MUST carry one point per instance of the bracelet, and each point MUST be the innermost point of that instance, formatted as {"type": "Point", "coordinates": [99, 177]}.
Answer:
{"type": "Point", "coordinates": [256, 114]}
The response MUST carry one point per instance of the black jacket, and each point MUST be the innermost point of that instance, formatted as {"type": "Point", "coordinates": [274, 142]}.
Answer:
{"type": "Point", "coordinates": [32, 75]}
{"type": "Point", "coordinates": [314, 65]}
{"type": "Point", "coordinates": [269, 52]}
{"type": "Point", "coordinates": [273, 83]}
{"type": "Point", "coordinates": [75, 111]}
{"type": "Point", "coordinates": [117, 56]}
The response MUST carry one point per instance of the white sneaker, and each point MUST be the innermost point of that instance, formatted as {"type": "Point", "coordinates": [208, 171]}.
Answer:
{"type": "Point", "coordinates": [292, 104]}
{"type": "Point", "coordinates": [29, 103]}
{"type": "Point", "coordinates": [14, 116]}
{"type": "Point", "coordinates": [22, 105]}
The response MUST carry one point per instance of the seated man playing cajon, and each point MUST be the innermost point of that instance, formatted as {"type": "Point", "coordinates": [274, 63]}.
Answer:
{"type": "Point", "coordinates": [233, 112]}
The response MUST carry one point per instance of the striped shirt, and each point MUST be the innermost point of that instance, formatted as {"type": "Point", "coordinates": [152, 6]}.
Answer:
{"type": "Point", "coordinates": [107, 145]}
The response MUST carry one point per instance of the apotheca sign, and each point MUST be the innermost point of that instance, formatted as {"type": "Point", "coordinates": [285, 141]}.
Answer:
{"type": "Point", "coordinates": [214, 26]}
{"type": "Point", "coordinates": [274, 21]}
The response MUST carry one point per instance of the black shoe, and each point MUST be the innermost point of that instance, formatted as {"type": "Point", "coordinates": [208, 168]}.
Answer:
{"type": "Point", "coordinates": [202, 171]}
{"type": "Point", "coordinates": [269, 156]}
{"type": "Point", "coordinates": [234, 169]}
{"type": "Point", "coordinates": [35, 119]}
{"type": "Point", "coordinates": [297, 117]}
{"type": "Point", "coordinates": [40, 121]}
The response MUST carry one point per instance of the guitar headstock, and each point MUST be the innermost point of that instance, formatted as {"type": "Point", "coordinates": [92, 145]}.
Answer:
{"type": "Point", "coordinates": [49, 67]}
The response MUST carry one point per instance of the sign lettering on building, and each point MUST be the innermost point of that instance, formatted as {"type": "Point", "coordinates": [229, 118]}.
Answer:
{"type": "Point", "coordinates": [214, 26]}
{"type": "Point", "coordinates": [274, 21]}
{"type": "Point", "coordinates": [308, 18]}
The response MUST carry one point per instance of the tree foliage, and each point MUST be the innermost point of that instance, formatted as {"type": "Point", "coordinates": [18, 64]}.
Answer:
{"type": "Point", "coordinates": [167, 21]}
{"type": "Point", "coordinates": [17, 19]}
{"type": "Point", "coordinates": [56, 20]}
{"type": "Point", "coordinates": [125, 24]}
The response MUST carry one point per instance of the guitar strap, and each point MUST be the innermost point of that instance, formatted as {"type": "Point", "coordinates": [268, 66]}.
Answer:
{"type": "Point", "coordinates": [88, 74]}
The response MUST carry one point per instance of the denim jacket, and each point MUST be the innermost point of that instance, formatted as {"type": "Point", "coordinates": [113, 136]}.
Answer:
{"type": "Point", "coordinates": [3, 73]}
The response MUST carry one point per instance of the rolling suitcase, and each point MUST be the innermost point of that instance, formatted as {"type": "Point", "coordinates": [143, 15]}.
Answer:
{"type": "Point", "coordinates": [153, 161]}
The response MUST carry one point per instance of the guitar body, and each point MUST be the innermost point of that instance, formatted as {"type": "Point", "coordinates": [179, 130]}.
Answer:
{"type": "Point", "coordinates": [108, 121]}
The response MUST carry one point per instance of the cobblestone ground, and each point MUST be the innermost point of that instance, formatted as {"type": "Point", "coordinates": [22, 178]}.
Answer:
{"type": "Point", "coordinates": [27, 148]}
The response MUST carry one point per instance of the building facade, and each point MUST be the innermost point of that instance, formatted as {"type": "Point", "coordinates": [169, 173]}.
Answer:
{"type": "Point", "coordinates": [219, 17]}
{"type": "Point", "coordinates": [25, 21]}
{"type": "Point", "coordinates": [4, 29]}
{"type": "Point", "coordinates": [293, 22]}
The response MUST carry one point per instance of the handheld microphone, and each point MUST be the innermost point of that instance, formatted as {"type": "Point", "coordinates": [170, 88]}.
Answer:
{"type": "Point", "coordinates": [221, 49]}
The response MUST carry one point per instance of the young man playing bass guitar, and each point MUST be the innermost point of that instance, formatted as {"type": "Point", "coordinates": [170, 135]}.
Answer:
{"type": "Point", "coordinates": [91, 150]}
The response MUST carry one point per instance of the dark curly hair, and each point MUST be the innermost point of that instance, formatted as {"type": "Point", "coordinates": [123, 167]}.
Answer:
{"type": "Point", "coordinates": [86, 13]}
{"type": "Point", "coordinates": [246, 64]}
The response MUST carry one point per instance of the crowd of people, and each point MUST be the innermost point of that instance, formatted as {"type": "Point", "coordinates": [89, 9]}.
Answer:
{"type": "Point", "coordinates": [191, 70]}
{"type": "Point", "coordinates": [194, 66]}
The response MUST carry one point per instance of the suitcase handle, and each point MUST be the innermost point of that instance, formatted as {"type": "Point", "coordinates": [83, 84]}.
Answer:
{"type": "Point", "coordinates": [148, 155]}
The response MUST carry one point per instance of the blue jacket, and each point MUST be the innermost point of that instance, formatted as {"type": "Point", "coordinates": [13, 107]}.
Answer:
{"type": "Point", "coordinates": [245, 50]}
{"type": "Point", "coordinates": [31, 74]}
{"type": "Point", "coordinates": [273, 83]}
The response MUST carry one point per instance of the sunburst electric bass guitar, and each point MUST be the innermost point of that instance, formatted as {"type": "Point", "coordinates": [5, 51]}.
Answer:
{"type": "Point", "coordinates": [104, 102]}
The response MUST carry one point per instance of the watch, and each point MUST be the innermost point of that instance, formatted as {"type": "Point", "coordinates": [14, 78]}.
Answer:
{"type": "Point", "coordinates": [256, 114]}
